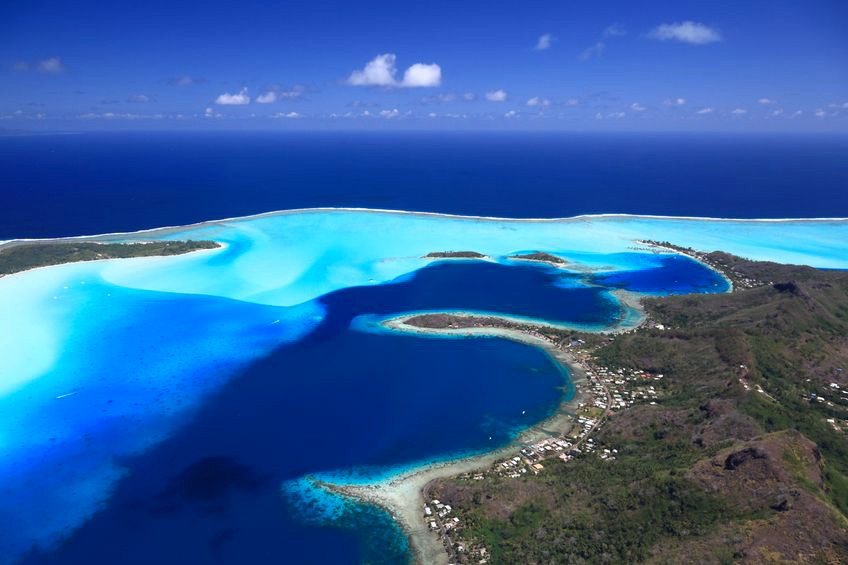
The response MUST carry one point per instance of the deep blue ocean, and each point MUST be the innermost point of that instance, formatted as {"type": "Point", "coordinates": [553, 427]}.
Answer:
{"type": "Point", "coordinates": [58, 185]}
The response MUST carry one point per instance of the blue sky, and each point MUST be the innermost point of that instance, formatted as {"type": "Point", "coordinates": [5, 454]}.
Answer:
{"type": "Point", "coordinates": [562, 65]}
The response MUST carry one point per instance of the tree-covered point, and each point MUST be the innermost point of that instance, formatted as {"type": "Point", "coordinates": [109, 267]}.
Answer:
{"type": "Point", "coordinates": [17, 258]}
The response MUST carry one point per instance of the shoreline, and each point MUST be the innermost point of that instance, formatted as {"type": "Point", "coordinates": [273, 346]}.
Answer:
{"type": "Point", "coordinates": [403, 495]}
{"type": "Point", "coordinates": [292, 211]}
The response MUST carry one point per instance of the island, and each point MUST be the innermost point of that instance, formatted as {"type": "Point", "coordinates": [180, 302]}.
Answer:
{"type": "Point", "coordinates": [540, 257]}
{"type": "Point", "coordinates": [716, 428]}
{"type": "Point", "coordinates": [23, 256]}
{"type": "Point", "coordinates": [455, 255]}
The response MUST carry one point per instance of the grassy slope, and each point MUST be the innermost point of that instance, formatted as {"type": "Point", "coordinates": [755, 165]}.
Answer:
{"type": "Point", "coordinates": [713, 472]}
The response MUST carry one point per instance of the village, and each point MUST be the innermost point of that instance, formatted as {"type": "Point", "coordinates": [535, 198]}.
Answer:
{"type": "Point", "coordinates": [604, 391]}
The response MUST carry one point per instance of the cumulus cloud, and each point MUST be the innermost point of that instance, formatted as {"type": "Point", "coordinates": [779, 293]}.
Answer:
{"type": "Point", "coordinates": [286, 115]}
{"type": "Point", "coordinates": [616, 115]}
{"type": "Point", "coordinates": [211, 113]}
{"type": "Point", "coordinates": [544, 42]}
{"type": "Point", "coordinates": [381, 71]}
{"type": "Point", "coordinates": [239, 99]}
{"type": "Point", "coordinates": [820, 113]}
{"type": "Point", "coordinates": [267, 97]}
{"type": "Point", "coordinates": [538, 102]}
{"type": "Point", "coordinates": [139, 99]}
{"type": "Point", "coordinates": [704, 111]}
{"type": "Point", "coordinates": [675, 102]}
{"type": "Point", "coordinates": [690, 32]}
{"type": "Point", "coordinates": [52, 65]}
{"type": "Point", "coordinates": [389, 114]}
{"type": "Point", "coordinates": [739, 112]}
{"type": "Point", "coordinates": [778, 112]}
{"type": "Point", "coordinates": [843, 105]}
{"type": "Point", "coordinates": [421, 75]}
{"type": "Point", "coordinates": [766, 101]}
{"type": "Point", "coordinates": [636, 107]}
{"type": "Point", "coordinates": [595, 50]}
{"type": "Point", "coordinates": [496, 95]}
{"type": "Point", "coordinates": [511, 114]}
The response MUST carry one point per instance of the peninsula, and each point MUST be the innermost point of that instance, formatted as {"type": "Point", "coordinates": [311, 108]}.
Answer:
{"type": "Point", "coordinates": [717, 428]}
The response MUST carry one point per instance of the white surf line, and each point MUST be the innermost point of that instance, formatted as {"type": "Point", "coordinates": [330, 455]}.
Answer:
{"type": "Point", "coordinates": [581, 217]}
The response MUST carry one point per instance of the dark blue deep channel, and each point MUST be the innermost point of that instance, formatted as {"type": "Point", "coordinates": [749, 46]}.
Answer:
{"type": "Point", "coordinates": [338, 400]}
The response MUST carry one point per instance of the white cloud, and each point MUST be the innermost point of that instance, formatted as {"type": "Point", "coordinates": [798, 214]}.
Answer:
{"type": "Point", "coordinates": [599, 116]}
{"type": "Point", "coordinates": [595, 50]}
{"type": "Point", "coordinates": [421, 75]}
{"type": "Point", "coordinates": [469, 96]}
{"type": "Point", "coordinates": [536, 101]}
{"type": "Point", "coordinates": [544, 42]}
{"type": "Point", "coordinates": [381, 71]}
{"type": "Point", "coordinates": [239, 99]}
{"type": "Point", "coordinates": [777, 112]}
{"type": "Point", "coordinates": [432, 115]}
{"type": "Point", "coordinates": [704, 111]}
{"type": "Point", "coordinates": [572, 102]}
{"type": "Point", "coordinates": [511, 114]}
{"type": "Point", "coordinates": [820, 113]}
{"type": "Point", "coordinates": [139, 99]}
{"type": "Point", "coordinates": [211, 113]}
{"type": "Point", "coordinates": [267, 97]}
{"type": "Point", "coordinates": [675, 102]}
{"type": "Point", "coordinates": [636, 107]}
{"type": "Point", "coordinates": [496, 95]}
{"type": "Point", "coordinates": [389, 114]}
{"type": "Point", "coordinates": [687, 32]}
{"type": "Point", "coordinates": [739, 112]}
{"type": "Point", "coordinates": [766, 101]}
{"type": "Point", "coordinates": [616, 115]}
{"type": "Point", "coordinates": [843, 105]}
{"type": "Point", "coordinates": [288, 115]}
{"type": "Point", "coordinates": [276, 93]}
{"type": "Point", "coordinates": [51, 65]}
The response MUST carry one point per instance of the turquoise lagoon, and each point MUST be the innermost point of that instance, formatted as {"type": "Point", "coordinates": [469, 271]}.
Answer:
{"type": "Point", "coordinates": [164, 402]}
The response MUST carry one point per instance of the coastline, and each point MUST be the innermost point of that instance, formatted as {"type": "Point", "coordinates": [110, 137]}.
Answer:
{"type": "Point", "coordinates": [582, 217]}
{"type": "Point", "coordinates": [404, 495]}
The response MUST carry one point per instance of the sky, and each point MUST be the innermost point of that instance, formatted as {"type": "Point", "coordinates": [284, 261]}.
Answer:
{"type": "Point", "coordinates": [708, 65]}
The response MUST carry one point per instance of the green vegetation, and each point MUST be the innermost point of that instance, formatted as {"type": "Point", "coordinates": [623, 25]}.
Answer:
{"type": "Point", "coordinates": [22, 257]}
{"type": "Point", "coordinates": [744, 457]}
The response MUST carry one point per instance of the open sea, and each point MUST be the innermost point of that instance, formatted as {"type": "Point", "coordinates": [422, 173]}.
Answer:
{"type": "Point", "coordinates": [60, 185]}
{"type": "Point", "coordinates": [174, 410]}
